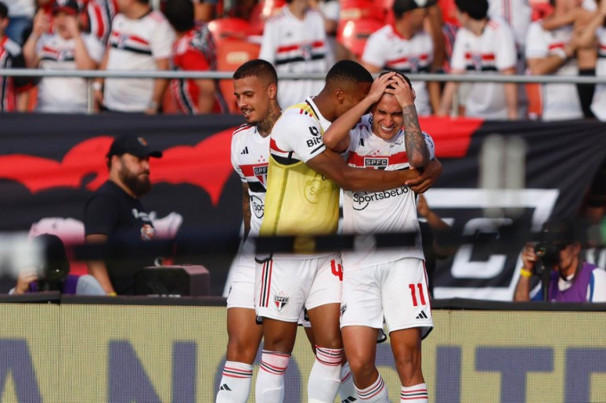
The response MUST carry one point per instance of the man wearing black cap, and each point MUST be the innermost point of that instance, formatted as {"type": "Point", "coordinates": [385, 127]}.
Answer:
{"type": "Point", "coordinates": [115, 212]}
{"type": "Point", "coordinates": [406, 47]}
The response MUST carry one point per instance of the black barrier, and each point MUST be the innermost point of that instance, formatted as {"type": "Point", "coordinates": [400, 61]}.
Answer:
{"type": "Point", "coordinates": [51, 164]}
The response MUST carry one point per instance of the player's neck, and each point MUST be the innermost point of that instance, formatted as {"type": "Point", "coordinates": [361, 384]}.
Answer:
{"type": "Point", "coordinates": [264, 127]}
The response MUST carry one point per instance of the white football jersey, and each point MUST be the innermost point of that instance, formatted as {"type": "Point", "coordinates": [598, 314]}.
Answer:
{"type": "Point", "coordinates": [385, 211]}
{"type": "Point", "coordinates": [249, 157]}
{"type": "Point", "coordinates": [517, 13]}
{"type": "Point", "coordinates": [62, 94]}
{"type": "Point", "coordinates": [296, 46]}
{"type": "Point", "coordinates": [135, 45]}
{"type": "Point", "coordinates": [560, 101]}
{"type": "Point", "coordinates": [489, 53]}
{"type": "Point", "coordinates": [598, 106]}
{"type": "Point", "coordinates": [387, 49]}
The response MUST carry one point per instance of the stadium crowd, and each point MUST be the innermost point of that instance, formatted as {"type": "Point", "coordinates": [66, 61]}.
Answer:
{"type": "Point", "coordinates": [536, 37]}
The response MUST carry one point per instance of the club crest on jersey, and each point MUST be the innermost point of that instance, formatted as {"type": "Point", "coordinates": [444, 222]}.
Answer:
{"type": "Point", "coordinates": [306, 51]}
{"type": "Point", "coordinates": [375, 162]}
{"type": "Point", "coordinates": [260, 172]}
{"type": "Point", "coordinates": [280, 301]}
{"type": "Point", "coordinates": [414, 64]}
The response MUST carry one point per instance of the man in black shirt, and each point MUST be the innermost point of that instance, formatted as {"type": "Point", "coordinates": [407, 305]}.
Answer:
{"type": "Point", "coordinates": [115, 213]}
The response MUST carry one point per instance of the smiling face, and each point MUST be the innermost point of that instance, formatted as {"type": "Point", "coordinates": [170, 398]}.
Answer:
{"type": "Point", "coordinates": [254, 96]}
{"type": "Point", "coordinates": [387, 117]}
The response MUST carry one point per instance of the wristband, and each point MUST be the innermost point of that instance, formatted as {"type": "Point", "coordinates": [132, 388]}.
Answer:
{"type": "Point", "coordinates": [97, 86]}
{"type": "Point", "coordinates": [525, 273]}
{"type": "Point", "coordinates": [112, 294]}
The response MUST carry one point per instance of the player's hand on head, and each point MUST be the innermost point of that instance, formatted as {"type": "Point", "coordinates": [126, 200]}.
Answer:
{"type": "Point", "coordinates": [379, 86]}
{"type": "Point", "coordinates": [404, 93]}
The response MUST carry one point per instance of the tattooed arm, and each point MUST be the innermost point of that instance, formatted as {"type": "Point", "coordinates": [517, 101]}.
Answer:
{"type": "Point", "coordinates": [416, 149]}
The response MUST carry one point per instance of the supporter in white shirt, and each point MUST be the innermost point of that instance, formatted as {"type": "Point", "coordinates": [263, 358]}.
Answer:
{"type": "Point", "coordinates": [64, 49]}
{"type": "Point", "coordinates": [140, 39]}
{"type": "Point", "coordinates": [554, 52]}
{"type": "Point", "coordinates": [405, 47]}
{"type": "Point", "coordinates": [483, 46]}
{"type": "Point", "coordinates": [294, 41]}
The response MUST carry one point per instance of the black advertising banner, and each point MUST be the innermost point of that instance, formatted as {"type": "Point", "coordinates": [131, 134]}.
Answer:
{"type": "Point", "coordinates": [50, 165]}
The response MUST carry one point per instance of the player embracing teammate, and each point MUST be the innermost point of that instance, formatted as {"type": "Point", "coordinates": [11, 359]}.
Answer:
{"type": "Point", "coordinates": [302, 199]}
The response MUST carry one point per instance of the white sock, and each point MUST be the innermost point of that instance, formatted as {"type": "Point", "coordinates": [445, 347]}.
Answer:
{"type": "Point", "coordinates": [377, 392]}
{"type": "Point", "coordinates": [325, 375]}
{"type": "Point", "coordinates": [235, 382]}
{"type": "Point", "coordinates": [414, 394]}
{"type": "Point", "coordinates": [347, 391]}
{"type": "Point", "coordinates": [270, 379]}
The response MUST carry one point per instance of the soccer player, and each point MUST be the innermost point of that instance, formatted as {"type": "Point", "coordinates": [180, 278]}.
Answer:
{"type": "Point", "coordinates": [388, 285]}
{"type": "Point", "coordinates": [255, 87]}
{"type": "Point", "coordinates": [303, 199]}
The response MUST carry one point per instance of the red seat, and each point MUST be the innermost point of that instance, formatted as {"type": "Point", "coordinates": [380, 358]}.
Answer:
{"type": "Point", "coordinates": [230, 55]}
{"type": "Point", "coordinates": [229, 29]}
{"type": "Point", "coordinates": [354, 34]}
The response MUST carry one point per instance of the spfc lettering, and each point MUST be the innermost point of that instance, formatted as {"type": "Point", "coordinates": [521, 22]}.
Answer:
{"type": "Point", "coordinates": [260, 171]}
{"type": "Point", "coordinates": [375, 162]}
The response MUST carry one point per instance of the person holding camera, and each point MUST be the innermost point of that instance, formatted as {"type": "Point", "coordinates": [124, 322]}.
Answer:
{"type": "Point", "coordinates": [53, 272]}
{"type": "Point", "coordinates": [562, 273]}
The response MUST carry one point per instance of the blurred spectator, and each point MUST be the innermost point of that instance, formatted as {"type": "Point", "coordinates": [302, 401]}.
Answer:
{"type": "Point", "coordinates": [67, 48]}
{"type": "Point", "coordinates": [140, 39]}
{"type": "Point", "coordinates": [20, 14]}
{"type": "Point", "coordinates": [13, 95]}
{"type": "Point", "coordinates": [405, 47]}
{"type": "Point", "coordinates": [580, 16]}
{"type": "Point", "coordinates": [294, 41]}
{"type": "Point", "coordinates": [114, 213]}
{"type": "Point", "coordinates": [194, 50]}
{"type": "Point", "coordinates": [557, 254]}
{"type": "Point", "coordinates": [100, 14]}
{"type": "Point", "coordinates": [53, 273]}
{"type": "Point", "coordinates": [554, 52]}
{"type": "Point", "coordinates": [591, 35]}
{"type": "Point", "coordinates": [330, 11]}
{"type": "Point", "coordinates": [482, 46]}
{"type": "Point", "coordinates": [205, 10]}
{"type": "Point", "coordinates": [518, 15]}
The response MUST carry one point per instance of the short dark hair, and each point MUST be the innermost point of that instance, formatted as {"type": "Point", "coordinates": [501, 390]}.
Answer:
{"type": "Point", "coordinates": [256, 68]}
{"type": "Point", "coordinates": [402, 75]}
{"type": "Point", "coordinates": [477, 9]}
{"type": "Point", "coordinates": [348, 70]}
{"type": "Point", "coordinates": [3, 10]}
{"type": "Point", "coordinates": [180, 14]}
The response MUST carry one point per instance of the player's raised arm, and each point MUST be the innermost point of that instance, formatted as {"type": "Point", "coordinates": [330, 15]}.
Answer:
{"type": "Point", "coordinates": [336, 138]}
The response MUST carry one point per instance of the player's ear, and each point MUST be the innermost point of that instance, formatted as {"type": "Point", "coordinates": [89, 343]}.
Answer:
{"type": "Point", "coordinates": [272, 90]}
{"type": "Point", "coordinates": [340, 95]}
